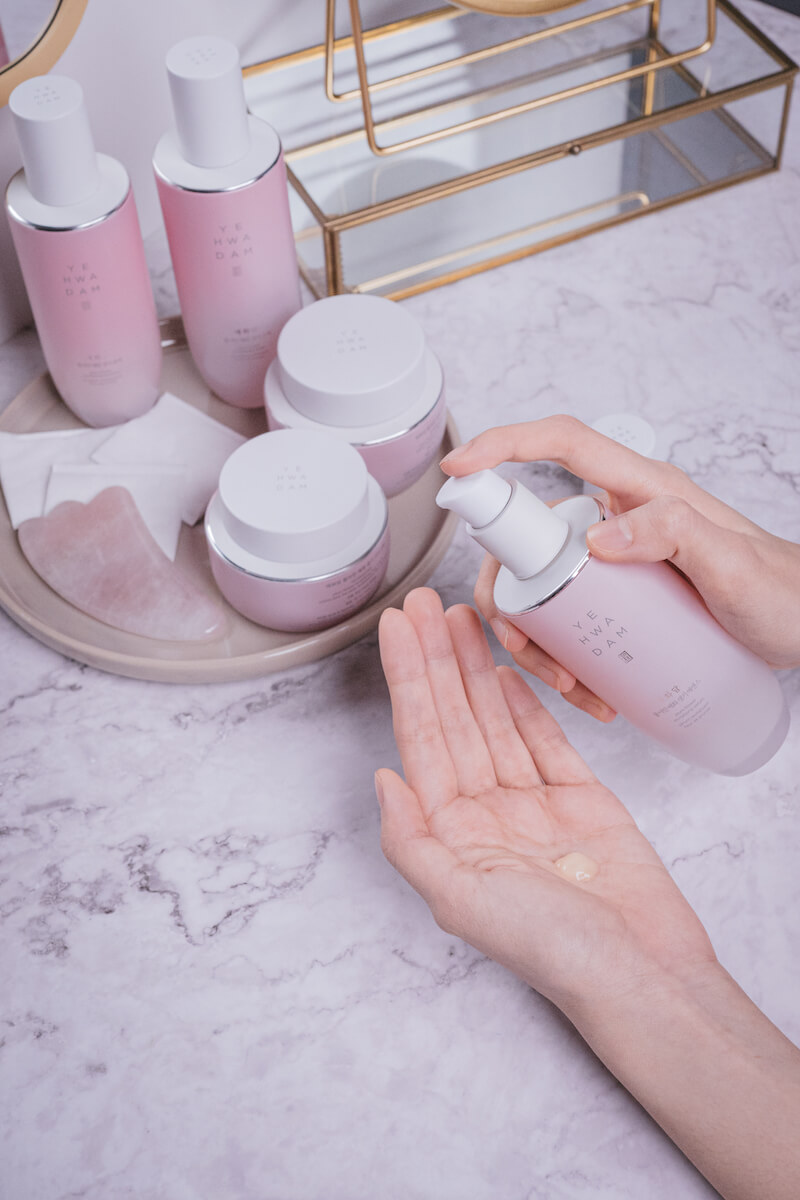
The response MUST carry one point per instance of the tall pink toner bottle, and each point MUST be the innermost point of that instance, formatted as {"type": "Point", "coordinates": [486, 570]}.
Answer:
{"type": "Point", "coordinates": [637, 634]}
{"type": "Point", "coordinates": [222, 184]}
{"type": "Point", "coordinates": [74, 225]}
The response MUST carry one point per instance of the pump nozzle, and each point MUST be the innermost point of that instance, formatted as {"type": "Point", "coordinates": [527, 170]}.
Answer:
{"type": "Point", "coordinates": [507, 520]}
{"type": "Point", "coordinates": [477, 498]}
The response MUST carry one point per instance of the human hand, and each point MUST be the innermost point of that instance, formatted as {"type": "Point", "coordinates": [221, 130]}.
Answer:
{"type": "Point", "coordinates": [494, 795]}
{"type": "Point", "coordinates": [748, 578]}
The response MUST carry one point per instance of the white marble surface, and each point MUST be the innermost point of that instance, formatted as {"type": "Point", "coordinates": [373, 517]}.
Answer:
{"type": "Point", "coordinates": [214, 987]}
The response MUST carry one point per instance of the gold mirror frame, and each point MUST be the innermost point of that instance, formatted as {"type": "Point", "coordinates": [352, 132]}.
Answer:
{"type": "Point", "coordinates": [46, 50]}
{"type": "Point", "coordinates": [514, 8]}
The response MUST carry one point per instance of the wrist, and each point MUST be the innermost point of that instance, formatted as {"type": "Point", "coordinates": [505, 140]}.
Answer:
{"type": "Point", "coordinates": [711, 1069]}
{"type": "Point", "coordinates": [630, 981]}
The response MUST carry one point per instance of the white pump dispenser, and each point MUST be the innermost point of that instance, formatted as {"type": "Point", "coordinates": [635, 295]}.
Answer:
{"type": "Point", "coordinates": [507, 520]}
{"type": "Point", "coordinates": [637, 634]}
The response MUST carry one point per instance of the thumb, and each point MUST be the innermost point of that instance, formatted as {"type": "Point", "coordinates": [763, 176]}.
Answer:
{"type": "Point", "coordinates": [408, 843]}
{"type": "Point", "coordinates": [715, 559]}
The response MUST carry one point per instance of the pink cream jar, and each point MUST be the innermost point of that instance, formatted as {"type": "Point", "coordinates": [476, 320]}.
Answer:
{"type": "Point", "coordinates": [297, 531]}
{"type": "Point", "coordinates": [358, 367]}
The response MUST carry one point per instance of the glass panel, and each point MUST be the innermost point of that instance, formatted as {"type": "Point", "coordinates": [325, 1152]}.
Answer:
{"type": "Point", "coordinates": [294, 100]}
{"type": "Point", "coordinates": [735, 57]}
{"type": "Point", "coordinates": [551, 200]}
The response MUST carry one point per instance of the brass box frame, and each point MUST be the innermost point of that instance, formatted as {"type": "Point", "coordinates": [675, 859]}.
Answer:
{"type": "Point", "coordinates": [332, 226]}
{"type": "Point", "coordinates": [365, 89]}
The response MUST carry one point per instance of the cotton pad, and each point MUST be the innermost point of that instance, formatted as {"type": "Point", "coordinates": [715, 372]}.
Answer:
{"type": "Point", "coordinates": [175, 433]}
{"type": "Point", "coordinates": [27, 458]}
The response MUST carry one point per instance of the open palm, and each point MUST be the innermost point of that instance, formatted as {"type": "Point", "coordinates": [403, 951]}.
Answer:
{"type": "Point", "coordinates": [494, 795]}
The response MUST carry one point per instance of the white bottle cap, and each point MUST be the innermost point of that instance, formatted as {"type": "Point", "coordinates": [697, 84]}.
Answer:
{"type": "Point", "coordinates": [294, 495]}
{"type": "Point", "coordinates": [352, 360]}
{"type": "Point", "coordinates": [55, 139]}
{"type": "Point", "coordinates": [507, 520]}
{"type": "Point", "coordinates": [205, 80]}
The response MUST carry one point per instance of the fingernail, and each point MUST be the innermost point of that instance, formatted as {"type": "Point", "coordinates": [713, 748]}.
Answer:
{"type": "Point", "coordinates": [500, 631]}
{"type": "Point", "coordinates": [457, 452]}
{"type": "Point", "coordinates": [378, 788]}
{"type": "Point", "coordinates": [613, 534]}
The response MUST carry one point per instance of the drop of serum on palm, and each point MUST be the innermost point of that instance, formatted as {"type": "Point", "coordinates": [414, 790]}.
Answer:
{"type": "Point", "coordinates": [577, 867]}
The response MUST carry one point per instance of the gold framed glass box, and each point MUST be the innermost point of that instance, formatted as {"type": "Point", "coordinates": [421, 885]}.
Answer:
{"type": "Point", "coordinates": [535, 131]}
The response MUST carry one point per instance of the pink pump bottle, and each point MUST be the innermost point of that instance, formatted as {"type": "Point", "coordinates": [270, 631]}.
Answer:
{"type": "Point", "coordinates": [74, 225]}
{"type": "Point", "coordinates": [637, 634]}
{"type": "Point", "coordinates": [222, 185]}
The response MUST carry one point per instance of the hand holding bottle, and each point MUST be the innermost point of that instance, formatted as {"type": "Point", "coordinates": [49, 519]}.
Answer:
{"type": "Point", "coordinates": [495, 808]}
{"type": "Point", "coordinates": [748, 578]}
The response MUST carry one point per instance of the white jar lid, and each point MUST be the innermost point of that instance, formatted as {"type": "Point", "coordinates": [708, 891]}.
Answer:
{"type": "Point", "coordinates": [352, 360]}
{"type": "Point", "coordinates": [630, 430]}
{"type": "Point", "coordinates": [294, 496]}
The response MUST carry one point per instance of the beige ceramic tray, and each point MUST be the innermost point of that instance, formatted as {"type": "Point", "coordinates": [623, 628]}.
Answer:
{"type": "Point", "coordinates": [420, 535]}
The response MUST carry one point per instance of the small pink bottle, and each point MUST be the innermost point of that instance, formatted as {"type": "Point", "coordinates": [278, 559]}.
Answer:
{"type": "Point", "coordinates": [637, 634]}
{"type": "Point", "coordinates": [74, 225]}
{"type": "Point", "coordinates": [222, 185]}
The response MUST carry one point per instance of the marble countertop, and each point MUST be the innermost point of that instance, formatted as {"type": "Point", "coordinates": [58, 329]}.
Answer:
{"type": "Point", "coordinates": [214, 986]}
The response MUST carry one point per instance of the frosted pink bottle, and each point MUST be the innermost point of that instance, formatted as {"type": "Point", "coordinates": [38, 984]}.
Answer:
{"type": "Point", "coordinates": [76, 233]}
{"type": "Point", "coordinates": [637, 634]}
{"type": "Point", "coordinates": [222, 185]}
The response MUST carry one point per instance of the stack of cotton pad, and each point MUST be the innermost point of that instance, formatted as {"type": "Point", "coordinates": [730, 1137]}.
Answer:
{"type": "Point", "coordinates": [169, 460]}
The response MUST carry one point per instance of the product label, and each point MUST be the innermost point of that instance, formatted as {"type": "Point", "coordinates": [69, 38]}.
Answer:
{"type": "Point", "coordinates": [249, 341]}
{"type": "Point", "coordinates": [684, 706]}
{"type": "Point", "coordinates": [349, 591]}
{"type": "Point", "coordinates": [232, 245]}
{"type": "Point", "coordinates": [100, 369]}
{"type": "Point", "coordinates": [606, 637]}
{"type": "Point", "coordinates": [602, 635]}
{"type": "Point", "coordinates": [290, 479]}
{"type": "Point", "coordinates": [81, 284]}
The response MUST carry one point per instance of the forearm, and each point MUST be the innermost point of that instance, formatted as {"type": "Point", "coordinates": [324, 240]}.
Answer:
{"type": "Point", "coordinates": [719, 1078]}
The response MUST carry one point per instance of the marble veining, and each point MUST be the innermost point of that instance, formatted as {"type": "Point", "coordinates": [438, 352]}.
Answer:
{"type": "Point", "coordinates": [213, 985]}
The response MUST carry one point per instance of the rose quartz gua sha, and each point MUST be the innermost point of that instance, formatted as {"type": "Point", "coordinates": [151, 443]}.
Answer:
{"type": "Point", "coordinates": [102, 558]}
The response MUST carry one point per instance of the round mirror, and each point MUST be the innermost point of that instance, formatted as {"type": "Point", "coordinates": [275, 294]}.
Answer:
{"type": "Point", "coordinates": [33, 36]}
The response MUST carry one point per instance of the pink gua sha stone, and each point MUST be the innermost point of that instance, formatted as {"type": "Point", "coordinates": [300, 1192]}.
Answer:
{"type": "Point", "coordinates": [102, 558]}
